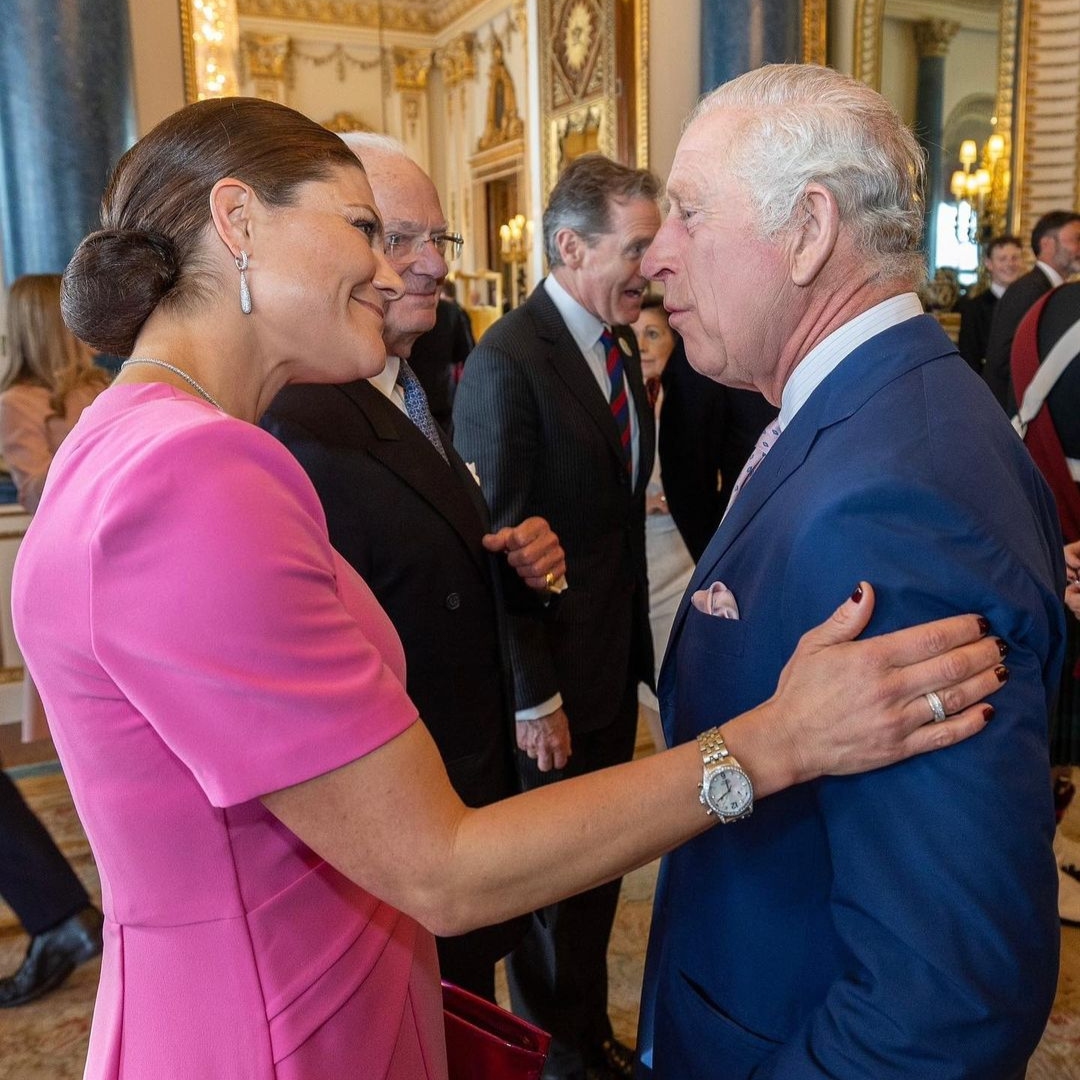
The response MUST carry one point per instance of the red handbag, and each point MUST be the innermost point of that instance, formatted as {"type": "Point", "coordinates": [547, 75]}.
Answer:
{"type": "Point", "coordinates": [484, 1042]}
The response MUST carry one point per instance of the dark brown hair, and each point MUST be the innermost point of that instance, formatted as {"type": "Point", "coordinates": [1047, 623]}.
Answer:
{"type": "Point", "coordinates": [156, 209]}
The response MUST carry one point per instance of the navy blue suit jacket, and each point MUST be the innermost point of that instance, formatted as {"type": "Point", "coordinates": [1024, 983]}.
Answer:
{"type": "Point", "coordinates": [900, 923]}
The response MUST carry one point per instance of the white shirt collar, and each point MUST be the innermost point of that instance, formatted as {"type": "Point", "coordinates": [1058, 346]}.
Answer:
{"type": "Point", "coordinates": [584, 326]}
{"type": "Point", "coordinates": [997, 289]}
{"type": "Point", "coordinates": [1055, 278]}
{"type": "Point", "coordinates": [826, 355]}
{"type": "Point", "coordinates": [386, 380]}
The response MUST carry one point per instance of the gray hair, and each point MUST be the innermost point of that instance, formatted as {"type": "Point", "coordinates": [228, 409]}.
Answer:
{"type": "Point", "coordinates": [581, 200]}
{"type": "Point", "coordinates": [805, 124]}
{"type": "Point", "coordinates": [372, 142]}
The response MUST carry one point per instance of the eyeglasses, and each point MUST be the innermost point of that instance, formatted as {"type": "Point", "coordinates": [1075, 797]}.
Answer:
{"type": "Point", "coordinates": [399, 244]}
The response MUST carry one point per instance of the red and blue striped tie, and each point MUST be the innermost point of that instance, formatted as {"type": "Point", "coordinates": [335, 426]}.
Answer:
{"type": "Point", "coordinates": [617, 399]}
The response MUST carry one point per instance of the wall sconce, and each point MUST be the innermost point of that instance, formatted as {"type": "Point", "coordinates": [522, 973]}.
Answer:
{"type": "Point", "coordinates": [515, 244]}
{"type": "Point", "coordinates": [981, 193]}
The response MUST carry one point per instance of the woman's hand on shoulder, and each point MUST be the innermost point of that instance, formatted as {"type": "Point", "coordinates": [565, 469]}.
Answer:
{"type": "Point", "coordinates": [845, 706]}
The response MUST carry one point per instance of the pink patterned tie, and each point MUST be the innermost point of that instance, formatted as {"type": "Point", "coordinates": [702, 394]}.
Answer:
{"type": "Point", "coordinates": [764, 444]}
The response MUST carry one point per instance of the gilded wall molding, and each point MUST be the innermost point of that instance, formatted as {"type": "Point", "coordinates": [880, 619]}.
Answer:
{"type": "Point", "coordinates": [457, 60]}
{"type": "Point", "coordinates": [1047, 128]}
{"type": "Point", "coordinates": [422, 16]}
{"type": "Point", "coordinates": [411, 67]}
{"type": "Point", "coordinates": [344, 122]}
{"type": "Point", "coordinates": [868, 19]}
{"type": "Point", "coordinates": [814, 39]}
{"type": "Point", "coordinates": [503, 122]}
{"type": "Point", "coordinates": [266, 56]}
{"type": "Point", "coordinates": [934, 36]}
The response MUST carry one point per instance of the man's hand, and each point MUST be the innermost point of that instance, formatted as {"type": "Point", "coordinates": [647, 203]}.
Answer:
{"type": "Point", "coordinates": [533, 550]}
{"type": "Point", "coordinates": [546, 741]}
{"type": "Point", "coordinates": [1072, 575]}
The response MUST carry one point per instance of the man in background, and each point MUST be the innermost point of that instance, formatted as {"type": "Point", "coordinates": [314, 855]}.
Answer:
{"type": "Point", "coordinates": [1056, 243]}
{"type": "Point", "coordinates": [404, 510]}
{"type": "Point", "coordinates": [1004, 263]}
{"type": "Point", "coordinates": [552, 409]}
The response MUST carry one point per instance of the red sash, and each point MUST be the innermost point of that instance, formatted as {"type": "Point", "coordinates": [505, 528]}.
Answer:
{"type": "Point", "coordinates": [1041, 439]}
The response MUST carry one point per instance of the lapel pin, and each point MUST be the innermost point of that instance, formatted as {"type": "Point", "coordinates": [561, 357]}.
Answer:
{"type": "Point", "coordinates": [625, 348]}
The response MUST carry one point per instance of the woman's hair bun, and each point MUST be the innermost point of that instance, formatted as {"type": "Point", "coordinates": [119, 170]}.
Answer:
{"type": "Point", "coordinates": [113, 283]}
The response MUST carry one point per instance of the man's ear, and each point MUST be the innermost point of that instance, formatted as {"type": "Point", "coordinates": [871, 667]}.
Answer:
{"type": "Point", "coordinates": [231, 205]}
{"type": "Point", "coordinates": [571, 247]}
{"type": "Point", "coordinates": [815, 236]}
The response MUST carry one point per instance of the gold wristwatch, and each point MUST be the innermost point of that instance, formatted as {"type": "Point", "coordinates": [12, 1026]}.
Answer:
{"type": "Point", "coordinates": [726, 790]}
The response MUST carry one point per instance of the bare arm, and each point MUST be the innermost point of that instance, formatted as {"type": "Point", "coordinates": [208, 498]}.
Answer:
{"type": "Point", "coordinates": [391, 822]}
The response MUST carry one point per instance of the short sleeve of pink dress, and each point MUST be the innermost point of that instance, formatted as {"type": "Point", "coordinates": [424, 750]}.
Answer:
{"type": "Point", "coordinates": [198, 643]}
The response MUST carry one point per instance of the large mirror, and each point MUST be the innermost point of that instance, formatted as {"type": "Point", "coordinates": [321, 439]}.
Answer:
{"type": "Point", "coordinates": [949, 68]}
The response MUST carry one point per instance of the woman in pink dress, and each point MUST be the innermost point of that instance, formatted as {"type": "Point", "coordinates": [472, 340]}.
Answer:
{"type": "Point", "coordinates": [275, 832]}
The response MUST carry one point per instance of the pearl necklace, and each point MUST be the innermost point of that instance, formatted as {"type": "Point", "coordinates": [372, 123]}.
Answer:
{"type": "Point", "coordinates": [176, 371]}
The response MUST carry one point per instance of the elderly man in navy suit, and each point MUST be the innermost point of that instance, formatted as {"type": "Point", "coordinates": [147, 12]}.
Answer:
{"type": "Point", "coordinates": [903, 923]}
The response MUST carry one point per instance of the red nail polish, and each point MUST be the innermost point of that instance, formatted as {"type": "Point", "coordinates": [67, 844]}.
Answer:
{"type": "Point", "coordinates": [857, 594]}
{"type": "Point", "coordinates": [984, 626]}
{"type": "Point", "coordinates": [1003, 648]}
{"type": "Point", "coordinates": [988, 713]}
{"type": "Point", "coordinates": [1001, 672]}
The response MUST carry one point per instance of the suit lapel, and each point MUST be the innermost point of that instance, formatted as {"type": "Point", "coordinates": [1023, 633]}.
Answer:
{"type": "Point", "coordinates": [846, 389]}
{"type": "Point", "coordinates": [568, 363]}
{"type": "Point", "coordinates": [406, 452]}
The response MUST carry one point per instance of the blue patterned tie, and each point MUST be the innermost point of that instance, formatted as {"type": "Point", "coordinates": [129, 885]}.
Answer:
{"type": "Point", "coordinates": [617, 399]}
{"type": "Point", "coordinates": [416, 407]}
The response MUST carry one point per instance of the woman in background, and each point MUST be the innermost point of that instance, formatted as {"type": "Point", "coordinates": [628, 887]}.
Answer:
{"type": "Point", "coordinates": [669, 562]}
{"type": "Point", "coordinates": [50, 379]}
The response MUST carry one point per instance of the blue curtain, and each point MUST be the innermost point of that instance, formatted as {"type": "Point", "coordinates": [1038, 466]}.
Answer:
{"type": "Point", "coordinates": [66, 116]}
{"type": "Point", "coordinates": [740, 35]}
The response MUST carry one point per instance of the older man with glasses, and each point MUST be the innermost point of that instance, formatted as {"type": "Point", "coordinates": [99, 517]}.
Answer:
{"type": "Point", "coordinates": [404, 510]}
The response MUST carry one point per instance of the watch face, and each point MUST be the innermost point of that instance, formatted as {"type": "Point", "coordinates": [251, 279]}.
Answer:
{"type": "Point", "coordinates": [730, 792]}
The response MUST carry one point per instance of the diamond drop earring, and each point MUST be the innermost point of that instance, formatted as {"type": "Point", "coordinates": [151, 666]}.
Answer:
{"type": "Point", "coordinates": [241, 261]}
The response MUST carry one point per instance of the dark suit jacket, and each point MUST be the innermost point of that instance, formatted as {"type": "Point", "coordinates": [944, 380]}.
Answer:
{"type": "Point", "coordinates": [899, 923]}
{"type": "Point", "coordinates": [1008, 312]}
{"type": "Point", "coordinates": [530, 415]}
{"type": "Point", "coordinates": [411, 527]}
{"type": "Point", "coordinates": [705, 428]}
{"type": "Point", "coordinates": [976, 316]}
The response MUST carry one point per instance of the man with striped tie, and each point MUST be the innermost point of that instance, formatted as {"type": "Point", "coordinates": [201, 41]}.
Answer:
{"type": "Point", "coordinates": [552, 410]}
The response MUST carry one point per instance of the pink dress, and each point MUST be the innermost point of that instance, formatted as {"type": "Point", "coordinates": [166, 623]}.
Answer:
{"type": "Point", "coordinates": [201, 644]}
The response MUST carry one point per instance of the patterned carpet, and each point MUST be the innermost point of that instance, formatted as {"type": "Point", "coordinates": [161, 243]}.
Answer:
{"type": "Point", "coordinates": [47, 1040]}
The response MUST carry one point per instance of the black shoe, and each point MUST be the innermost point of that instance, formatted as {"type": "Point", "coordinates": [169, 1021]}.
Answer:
{"type": "Point", "coordinates": [52, 957]}
{"type": "Point", "coordinates": [612, 1060]}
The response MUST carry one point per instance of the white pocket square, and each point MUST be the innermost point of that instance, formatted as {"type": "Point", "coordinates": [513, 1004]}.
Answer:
{"type": "Point", "coordinates": [717, 600]}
